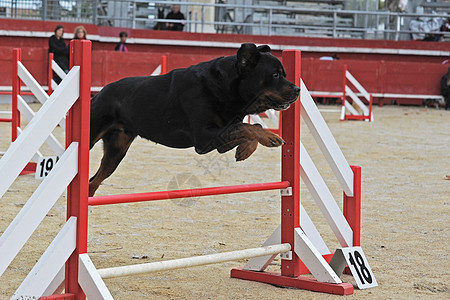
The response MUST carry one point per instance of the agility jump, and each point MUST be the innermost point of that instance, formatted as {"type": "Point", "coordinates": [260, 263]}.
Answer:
{"type": "Point", "coordinates": [302, 249]}
{"type": "Point", "coordinates": [364, 113]}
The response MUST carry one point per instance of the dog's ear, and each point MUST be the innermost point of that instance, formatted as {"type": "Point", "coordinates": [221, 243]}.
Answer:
{"type": "Point", "coordinates": [264, 48]}
{"type": "Point", "coordinates": [247, 57]}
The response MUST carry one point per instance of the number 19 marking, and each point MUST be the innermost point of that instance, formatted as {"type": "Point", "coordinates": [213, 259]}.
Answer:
{"type": "Point", "coordinates": [45, 165]}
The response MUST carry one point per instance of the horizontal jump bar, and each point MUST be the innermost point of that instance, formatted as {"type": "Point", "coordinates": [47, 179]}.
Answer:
{"type": "Point", "coordinates": [175, 194]}
{"type": "Point", "coordinates": [192, 261]}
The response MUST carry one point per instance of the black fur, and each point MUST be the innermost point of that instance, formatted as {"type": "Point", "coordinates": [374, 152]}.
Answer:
{"type": "Point", "coordinates": [201, 106]}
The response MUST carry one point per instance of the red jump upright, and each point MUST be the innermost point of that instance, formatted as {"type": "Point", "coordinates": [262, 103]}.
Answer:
{"type": "Point", "coordinates": [16, 92]}
{"type": "Point", "coordinates": [77, 130]}
{"type": "Point", "coordinates": [290, 204]}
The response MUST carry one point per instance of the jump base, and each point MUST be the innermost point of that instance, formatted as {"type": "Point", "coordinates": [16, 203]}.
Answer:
{"type": "Point", "coordinates": [300, 282]}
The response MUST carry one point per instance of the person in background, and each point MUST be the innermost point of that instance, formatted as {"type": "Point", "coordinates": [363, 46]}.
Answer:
{"type": "Point", "coordinates": [121, 46]}
{"type": "Point", "coordinates": [80, 33]}
{"type": "Point", "coordinates": [60, 50]}
{"type": "Point", "coordinates": [160, 25]}
{"type": "Point", "coordinates": [445, 88]}
{"type": "Point", "coordinates": [175, 14]}
{"type": "Point", "coordinates": [333, 57]}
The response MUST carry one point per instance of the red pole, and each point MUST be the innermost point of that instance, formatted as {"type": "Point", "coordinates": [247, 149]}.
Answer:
{"type": "Point", "coordinates": [370, 108]}
{"type": "Point", "coordinates": [344, 95]}
{"type": "Point", "coordinates": [176, 194]}
{"type": "Point", "coordinates": [280, 124]}
{"type": "Point", "coordinates": [290, 166]}
{"type": "Point", "coordinates": [352, 206]}
{"type": "Point", "coordinates": [17, 56]}
{"type": "Point", "coordinates": [50, 74]}
{"type": "Point", "coordinates": [163, 65]}
{"type": "Point", "coordinates": [77, 130]}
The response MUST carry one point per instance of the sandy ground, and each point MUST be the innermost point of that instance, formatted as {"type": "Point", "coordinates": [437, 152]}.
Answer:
{"type": "Point", "coordinates": [404, 156]}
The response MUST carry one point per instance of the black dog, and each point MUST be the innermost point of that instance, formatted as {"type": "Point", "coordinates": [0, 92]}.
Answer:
{"type": "Point", "coordinates": [201, 106]}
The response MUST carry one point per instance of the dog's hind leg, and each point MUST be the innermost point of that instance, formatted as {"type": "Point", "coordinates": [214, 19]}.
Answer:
{"type": "Point", "coordinates": [116, 143]}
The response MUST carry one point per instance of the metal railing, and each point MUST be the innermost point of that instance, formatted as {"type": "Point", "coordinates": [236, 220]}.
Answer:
{"type": "Point", "coordinates": [229, 18]}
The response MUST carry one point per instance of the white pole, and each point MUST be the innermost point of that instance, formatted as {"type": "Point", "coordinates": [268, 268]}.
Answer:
{"type": "Point", "coordinates": [193, 261]}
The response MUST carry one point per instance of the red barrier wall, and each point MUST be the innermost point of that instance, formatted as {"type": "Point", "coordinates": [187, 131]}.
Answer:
{"type": "Point", "coordinates": [376, 64]}
{"type": "Point", "coordinates": [107, 66]}
{"type": "Point", "coordinates": [376, 76]}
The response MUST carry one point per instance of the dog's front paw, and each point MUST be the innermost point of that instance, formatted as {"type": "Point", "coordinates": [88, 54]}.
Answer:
{"type": "Point", "coordinates": [244, 150]}
{"type": "Point", "coordinates": [270, 139]}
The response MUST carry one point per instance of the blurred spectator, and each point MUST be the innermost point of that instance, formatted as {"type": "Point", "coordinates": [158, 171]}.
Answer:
{"type": "Point", "coordinates": [446, 26]}
{"type": "Point", "coordinates": [60, 50]}
{"type": "Point", "coordinates": [121, 46]}
{"type": "Point", "coordinates": [445, 88]}
{"type": "Point", "coordinates": [175, 14]}
{"type": "Point", "coordinates": [80, 33]}
{"type": "Point", "coordinates": [160, 25]}
{"type": "Point", "coordinates": [428, 29]}
{"type": "Point", "coordinates": [333, 57]}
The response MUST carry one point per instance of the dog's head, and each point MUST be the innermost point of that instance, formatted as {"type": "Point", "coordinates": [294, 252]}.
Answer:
{"type": "Point", "coordinates": [262, 82]}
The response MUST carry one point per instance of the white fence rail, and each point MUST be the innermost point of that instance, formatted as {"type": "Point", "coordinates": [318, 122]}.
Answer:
{"type": "Point", "coordinates": [46, 119]}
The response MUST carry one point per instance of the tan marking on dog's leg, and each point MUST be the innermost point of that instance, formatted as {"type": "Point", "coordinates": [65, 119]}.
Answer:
{"type": "Point", "coordinates": [263, 136]}
{"type": "Point", "coordinates": [115, 146]}
{"type": "Point", "coordinates": [245, 149]}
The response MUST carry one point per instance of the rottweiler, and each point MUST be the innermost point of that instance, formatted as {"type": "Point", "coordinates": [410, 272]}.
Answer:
{"type": "Point", "coordinates": [202, 106]}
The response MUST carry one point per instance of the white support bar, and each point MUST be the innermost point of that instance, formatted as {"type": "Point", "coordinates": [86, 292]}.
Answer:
{"type": "Point", "coordinates": [31, 83]}
{"type": "Point", "coordinates": [29, 114]}
{"type": "Point", "coordinates": [324, 199]}
{"type": "Point", "coordinates": [272, 116]}
{"type": "Point", "coordinates": [260, 263]}
{"type": "Point", "coordinates": [357, 85]}
{"type": "Point", "coordinates": [343, 112]}
{"type": "Point", "coordinates": [54, 85]}
{"type": "Point", "coordinates": [358, 101]}
{"type": "Point", "coordinates": [90, 281]}
{"type": "Point", "coordinates": [326, 142]}
{"type": "Point", "coordinates": [157, 71]}
{"type": "Point", "coordinates": [193, 261]}
{"type": "Point", "coordinates": [312, 259]}
{"type": "Point", "coordinates": [350, 108]}
{"type": "Point", "coordinates": [36, 89]}
{"type": "Point", "coordinates": [50, 263]}
{"type": "Point", "coordinates": [38, 155]}
{"type": "Point", "coordinates": [57, 69]}
{"type": "Point", "coordinates": [57, 285]}
{"type": "Point", "coordinates": [23, 148]}
{"type": "Point", "coordinates": [39, 204]}
{"type": "Point", "coordinates": [311, 231]}
{"type": "Point", "coordinates": [257, 119]}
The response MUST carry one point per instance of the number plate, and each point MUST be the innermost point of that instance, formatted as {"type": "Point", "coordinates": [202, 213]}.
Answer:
{"type": "Point", "coordinates": [359, 266]}
{"type": "Point", "coordinates": [45, 165]}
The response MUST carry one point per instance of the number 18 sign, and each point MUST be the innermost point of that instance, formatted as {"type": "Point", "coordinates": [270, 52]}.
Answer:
{"type": "Point", "coordinates": [359, 266]}
{"type": "Point", "coordinates": [45, 165]}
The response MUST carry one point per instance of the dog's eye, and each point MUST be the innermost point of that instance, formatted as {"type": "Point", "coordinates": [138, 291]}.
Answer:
{"type": "Point", "coordinates": [276, 75]}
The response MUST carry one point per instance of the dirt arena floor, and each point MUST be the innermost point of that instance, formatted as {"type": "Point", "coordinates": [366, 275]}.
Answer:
{"type": "Point", "coordinates": [405, 159]}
